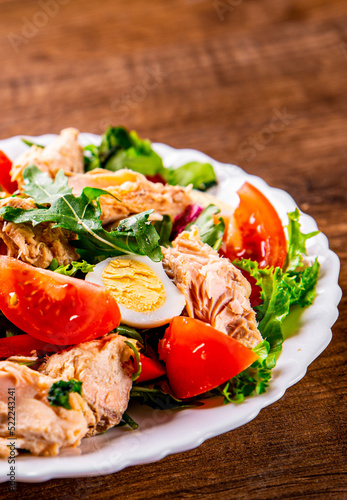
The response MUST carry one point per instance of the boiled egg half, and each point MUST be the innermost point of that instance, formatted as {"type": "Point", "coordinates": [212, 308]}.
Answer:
{"type": "Point", "coordinates": [145, 295]}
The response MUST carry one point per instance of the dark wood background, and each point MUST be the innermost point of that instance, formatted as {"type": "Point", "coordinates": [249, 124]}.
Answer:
{"type": "Point", "coordinates": [210, 75]}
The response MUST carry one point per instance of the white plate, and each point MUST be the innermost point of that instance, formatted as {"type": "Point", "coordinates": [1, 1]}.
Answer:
{"type": "Point", "coordinates": [164, 432]}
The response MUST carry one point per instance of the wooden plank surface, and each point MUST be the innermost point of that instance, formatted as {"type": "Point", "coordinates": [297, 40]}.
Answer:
{"type": "Point", "coordinates": [258, 83]}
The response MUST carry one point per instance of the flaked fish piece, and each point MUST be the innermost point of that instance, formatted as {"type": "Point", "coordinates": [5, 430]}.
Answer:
{"type": "Point", "coordinates": [104, 369]}
{"type": "Point", "coordinates": [64, 153]}
{"type": "Point", "coordinates": [36, 245]}
{"type": "Point", "coordinates": [39, 427]}
{"type": "Point", "coordinates": [134, 194]}
{"type": "Point", "coordinates": [216, 292]}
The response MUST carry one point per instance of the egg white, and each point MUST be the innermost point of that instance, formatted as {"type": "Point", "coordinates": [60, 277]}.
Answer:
{"type": "Point", "coordinates": [174, 301]}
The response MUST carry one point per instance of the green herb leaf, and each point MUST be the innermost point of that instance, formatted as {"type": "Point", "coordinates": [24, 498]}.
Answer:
{"type": "Point", "coordinates": [210, 233]}
{"type": "Point", "coordinates": [201, 175]}
{"type": "Point", "coordinates": [42, 188]}
{"type": "Point", "coordinates": [58, 394]}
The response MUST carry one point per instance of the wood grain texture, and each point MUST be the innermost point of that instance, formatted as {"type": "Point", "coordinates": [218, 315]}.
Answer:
{"type": "Point", "coordinates": [220, 82]}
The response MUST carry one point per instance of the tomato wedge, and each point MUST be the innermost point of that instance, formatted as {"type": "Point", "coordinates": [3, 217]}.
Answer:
{"type": "Point", "coordinates": [255, 232]}
{"type": "Point", "coordinates": [23, 345]}
{"type": "Point", "coordinates": [199, 358]}
{"type": "Point", "coordinates": [150, 369]}
{"type": "Point", "coordinates": [5, 178]}
{"type": "Point", "coordinates": [52, 307]}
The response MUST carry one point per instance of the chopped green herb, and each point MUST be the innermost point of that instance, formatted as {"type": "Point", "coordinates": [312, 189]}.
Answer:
{"type": "Point", "coordinates": [58, 394]}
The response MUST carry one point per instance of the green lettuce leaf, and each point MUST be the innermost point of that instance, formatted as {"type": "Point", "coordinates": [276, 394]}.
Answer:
{"type": "Point", "coordinates": [281, 289]}
{"type": "Point", "coordinates": [72, 268]}
{"type": "Point", "coordinates": [253, 380]}
{"type": "Point", "coordinates": [296, 242]}
{"type": "Point", "coordinates": [201, 175]}
{"type": "Point", "coordinates": [120, 149]}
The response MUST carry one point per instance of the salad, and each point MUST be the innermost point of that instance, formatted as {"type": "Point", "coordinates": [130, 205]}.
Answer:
{"type": "Point", "coordinates": [122, 279]}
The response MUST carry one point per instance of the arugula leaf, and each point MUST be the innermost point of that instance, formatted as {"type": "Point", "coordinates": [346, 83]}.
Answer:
{"type": "Point", "coordinates": [201, 175]}
{"type": "Point", "coordinates": [42, 188]}
{"type": "Point", "coordinates": [156, 398]}
{"type": "Point", "coordinates": [58, 394]}
{"type": "Point", "coordinates": [164, 228]}
{"type": "Point", "coordinates": [81, 215]}
{"type": "Point", "coordinates": [210, 233]}
{"type": "Point", "coordinates": [127, 420]}
{"type": "Point", "coordinates": [144, 232]}
{"type": "Point", "coordinates": [296, 242]}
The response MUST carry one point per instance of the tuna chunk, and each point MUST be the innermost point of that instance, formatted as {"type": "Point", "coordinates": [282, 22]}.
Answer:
{"type": "Point", "coordinates": [134, 194]}
{"type": "Point", "coordinates": [64, 153]}
{"type": "Point", "coordinates": [216, 292]}
{"type": "Point", "coordinates": [39, 427]}
{"type": "Point", "coordinates": [36, 245]}
{"type": "Point", "coordinates": [103, 367]}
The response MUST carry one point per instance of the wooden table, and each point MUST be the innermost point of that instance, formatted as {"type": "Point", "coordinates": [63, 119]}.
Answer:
{"type": "Point", "coordinates": [258, 83]}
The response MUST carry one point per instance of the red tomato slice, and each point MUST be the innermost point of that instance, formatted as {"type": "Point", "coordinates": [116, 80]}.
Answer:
{"type": "Point", "coordinates": [5, 177]}
{"type": "Point", "coordinates": [150, 369]}
{"type": "Point", "coordinates": [259, 234]}
{"type": "Point", "coordinates": [199, 358]}
{"type": "Point", "coordinates": [53, 307]}
{"type": "Point", "coordinates": [23, 345]}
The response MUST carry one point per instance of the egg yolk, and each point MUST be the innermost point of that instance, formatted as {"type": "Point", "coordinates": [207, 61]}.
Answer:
{"type": "Point", "coordinates": [134, 285]}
